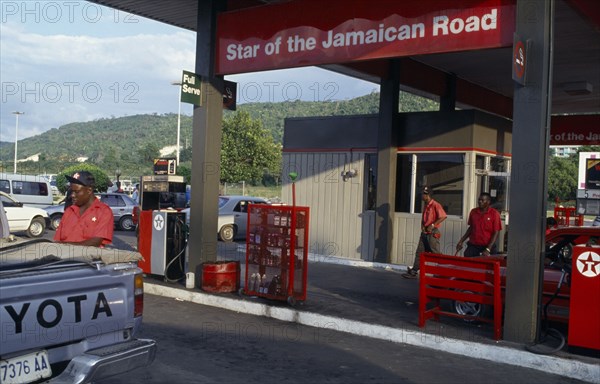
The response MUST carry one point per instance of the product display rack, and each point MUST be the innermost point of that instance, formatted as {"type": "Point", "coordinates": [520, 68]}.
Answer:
{"type": "Point", "coordinates": [277, 252]}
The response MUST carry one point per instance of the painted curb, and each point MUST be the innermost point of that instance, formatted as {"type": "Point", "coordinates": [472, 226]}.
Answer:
{"type": "Point", "coordinates": [498, 354]}
{"type": "Point", "coordinates": [318, 258]}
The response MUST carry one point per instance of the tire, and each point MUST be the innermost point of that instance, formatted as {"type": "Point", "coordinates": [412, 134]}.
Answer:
{"type": "Point", "coordinates": [37, 227]}
{"type": "Point", "coordinates": [470, 309]}
{"type": "Point", "coordinates": [227, 233]}
{"type": "Point", "coordinates": [55, 220]}
{"type": "Point", "coordinates": [126, 223]}
{"type": "Point", "coordinates": [292, 301]}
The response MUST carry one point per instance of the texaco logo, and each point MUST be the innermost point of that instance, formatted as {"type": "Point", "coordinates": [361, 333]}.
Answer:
{"type": "Point", "coordinates": [159, 222]}
{"type": "Point", "coordinates": [588, 264]}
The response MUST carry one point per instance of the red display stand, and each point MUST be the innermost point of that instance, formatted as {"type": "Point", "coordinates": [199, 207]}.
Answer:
{"type": "Point", "coordinates": [567, 216]}
{"type": "Point", "coordinates": [277, 252]}
{"type": "Point", "coordinates": [584, 311]}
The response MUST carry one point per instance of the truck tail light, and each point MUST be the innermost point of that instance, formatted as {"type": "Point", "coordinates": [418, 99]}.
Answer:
{"type": "Point", "coordinates": [135, 215]}
{"type": "Point", "coordinates": [138, 295]}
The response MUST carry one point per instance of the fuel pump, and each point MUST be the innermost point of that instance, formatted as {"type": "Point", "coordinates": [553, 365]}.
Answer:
{"type": "Point", "coordinates": [162, 235]}
{"type": "Point", "coordinates": [584, 308]}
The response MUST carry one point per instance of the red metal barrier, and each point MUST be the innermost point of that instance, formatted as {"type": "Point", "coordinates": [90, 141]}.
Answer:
{"type": "Point", "coordinates": [567, 216]}
{"type": "Point", "coordinates": [474, 280]}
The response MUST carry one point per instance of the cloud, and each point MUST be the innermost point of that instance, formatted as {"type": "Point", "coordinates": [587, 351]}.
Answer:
{"type": "Point", "coordinates": [82, 68]}
{"type": "Point", "coordinates": [60, 79]}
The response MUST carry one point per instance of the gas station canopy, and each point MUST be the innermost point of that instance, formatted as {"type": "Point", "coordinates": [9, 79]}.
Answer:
{"type": "Point", "coordinates": [519, 59]}
{"type": "Point", "coordinates": [483, 77]}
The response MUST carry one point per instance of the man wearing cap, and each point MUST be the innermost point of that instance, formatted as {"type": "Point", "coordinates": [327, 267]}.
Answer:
{"type": "Point", "coordinates": [88, 221]}
{"type": "Point", "coordinates": [429, 241]}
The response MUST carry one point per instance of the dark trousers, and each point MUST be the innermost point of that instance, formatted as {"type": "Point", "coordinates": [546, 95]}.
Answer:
{"type": "Point", "coordinates": [477, 250]}
{"type": "Point", "coordinates": [428, 242]}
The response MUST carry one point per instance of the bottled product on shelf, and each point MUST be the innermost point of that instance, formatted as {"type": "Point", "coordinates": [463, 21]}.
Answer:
{"type": "Point", "coordinates": [277, 252]}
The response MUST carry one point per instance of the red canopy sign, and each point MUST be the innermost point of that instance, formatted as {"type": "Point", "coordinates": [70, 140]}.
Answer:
{"type": "Point", "coordinates": [301, 33]}
{"type": "Point", "coordinates": [575, 130]}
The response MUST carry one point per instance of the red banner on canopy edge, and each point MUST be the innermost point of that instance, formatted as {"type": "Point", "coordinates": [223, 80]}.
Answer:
{"type": "Point", "coordinates": [303, 33]}
{"type": "Point", "coordinates": [575, 130]}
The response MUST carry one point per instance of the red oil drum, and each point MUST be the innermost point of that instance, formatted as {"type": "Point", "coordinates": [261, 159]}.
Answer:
{"type": "Point", "coordinates": [221, 276]}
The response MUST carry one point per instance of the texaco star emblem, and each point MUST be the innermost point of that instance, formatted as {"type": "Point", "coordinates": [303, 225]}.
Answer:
{"type": "Point", "coordinates": [588, 264]}
{"type": "Point", "coordinates": [159, 222]}
{"type": "Point", "coordinates": [94, 219]}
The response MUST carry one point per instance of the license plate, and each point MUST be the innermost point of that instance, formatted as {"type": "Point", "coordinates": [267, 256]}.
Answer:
{"type": "Point", "coordinates": [25, 369]}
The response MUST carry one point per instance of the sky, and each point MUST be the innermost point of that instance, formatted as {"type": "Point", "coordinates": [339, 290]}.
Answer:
{"type": "Point", "coordinates": [74, 61]}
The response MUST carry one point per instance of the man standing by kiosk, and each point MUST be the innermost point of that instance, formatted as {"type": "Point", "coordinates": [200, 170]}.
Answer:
{"type": "Point", "coordinates": [429, 240]}
{"type": "Point", "coordinates": [484, 226]}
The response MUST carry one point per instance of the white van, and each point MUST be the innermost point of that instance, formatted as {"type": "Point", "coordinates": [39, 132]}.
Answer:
{"type": "Point", "coordinates": [27, 189]}
{"type": "Point", "coordinates": [52, 180]}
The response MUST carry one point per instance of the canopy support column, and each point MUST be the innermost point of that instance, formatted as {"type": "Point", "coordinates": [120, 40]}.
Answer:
{"type": "Point", "coordinates": [528, 191]}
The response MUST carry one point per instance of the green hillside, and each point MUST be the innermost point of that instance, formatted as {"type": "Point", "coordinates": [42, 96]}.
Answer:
{"type": "Point", "coordinates": [273, 114]}
{"type": "Point", "coordinates": [125, 142]}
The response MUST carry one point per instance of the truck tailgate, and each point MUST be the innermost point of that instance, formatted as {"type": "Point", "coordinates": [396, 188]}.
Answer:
{"type": "Point", "coordinates": [65, 305]}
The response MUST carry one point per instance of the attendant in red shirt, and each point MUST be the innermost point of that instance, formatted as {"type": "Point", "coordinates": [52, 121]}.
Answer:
{"type": "Point", "coordinates": [88, 221]}
{"type": "Point", "coordinates": [429, 240]}
{"type": "Point", "coordinates": [484, 226]}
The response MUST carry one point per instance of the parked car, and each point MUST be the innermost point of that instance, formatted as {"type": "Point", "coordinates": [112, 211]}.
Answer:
{"type": "Point", "coordinates": [21, 218]}
{"type": "Point", "coordinates": [121, 204]}
{"type": "Point", "coordinates": [55, 213]}
{"type": "Point", "coordinates": [233, 216]}
{"type": "Point", "coordinates": [556, 291]}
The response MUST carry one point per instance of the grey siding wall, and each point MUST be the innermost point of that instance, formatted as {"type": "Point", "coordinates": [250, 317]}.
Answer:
{"type": "Point", "coordinates": [407, 231]}
{"type": "Point", "coordinates": [336, 219]}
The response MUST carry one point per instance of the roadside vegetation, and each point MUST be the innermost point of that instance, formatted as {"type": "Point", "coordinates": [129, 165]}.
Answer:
{"type": "Point", "coordinates": [250, 146]}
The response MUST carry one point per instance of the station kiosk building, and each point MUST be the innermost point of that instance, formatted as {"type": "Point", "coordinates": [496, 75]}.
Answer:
{"type": "Point", "coordinates": [458, 154]}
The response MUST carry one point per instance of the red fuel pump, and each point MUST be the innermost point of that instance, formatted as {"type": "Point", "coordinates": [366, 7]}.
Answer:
{"type": "Point", "coordinates": [162, 232]}
{"type": "Point", "coordinates": [584, 313]}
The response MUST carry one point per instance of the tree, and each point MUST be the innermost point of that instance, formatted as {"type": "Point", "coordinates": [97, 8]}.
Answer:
{"type": "Point", "coordinates": [563, 173]}
{"type": "Point", "coordinates": [149, 152]}
{"type": "Point", "coordinates": [562, 178]}
{"type": "Point", "coordinates": [102, 179]}
{"type": "Point", "coordinates": [588, 148]}
{"type": "Point", "coordinates": [247, 149]}
{"type": "Point", "coordinates": [186, 172]}
{"type": "Point", "coordinates": [185, 154]}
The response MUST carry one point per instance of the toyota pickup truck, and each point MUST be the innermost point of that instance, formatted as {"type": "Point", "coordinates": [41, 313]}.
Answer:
{"type": "Point", "coordinates": [69, 314]}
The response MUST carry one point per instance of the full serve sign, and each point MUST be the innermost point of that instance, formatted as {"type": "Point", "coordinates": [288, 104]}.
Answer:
{"type": "Point", "coordinates": [191, 88]}
{"type": "Point", "coordinates": [315, 33]}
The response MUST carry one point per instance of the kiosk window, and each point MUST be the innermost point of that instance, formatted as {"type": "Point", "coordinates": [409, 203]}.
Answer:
{"type": "Point", "coordinates": [443, 172]}
{"type": "Point", "coordinates": [493, 177]}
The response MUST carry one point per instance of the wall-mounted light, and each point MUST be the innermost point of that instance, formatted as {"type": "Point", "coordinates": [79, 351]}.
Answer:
{"type": "Point", "coordinates": [577, 88]}
{"type": "Point", "coordinates": [349, 174]}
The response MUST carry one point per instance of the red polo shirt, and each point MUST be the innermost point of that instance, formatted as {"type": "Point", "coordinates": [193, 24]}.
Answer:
{"type": "Point", "coordinates": [483, 225]}
{"type": "Point", "coordinates": [433, 211]}
{"type": "Point", "coordinates": [96, 221]}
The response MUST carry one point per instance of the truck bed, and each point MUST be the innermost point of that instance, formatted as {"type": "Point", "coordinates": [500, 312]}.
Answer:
{"type": "Point", "coordinates": [62, 304]}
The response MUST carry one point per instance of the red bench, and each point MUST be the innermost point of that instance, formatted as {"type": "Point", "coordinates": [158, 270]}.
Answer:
{"type": "Point", "coordinates": [474, 280]}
